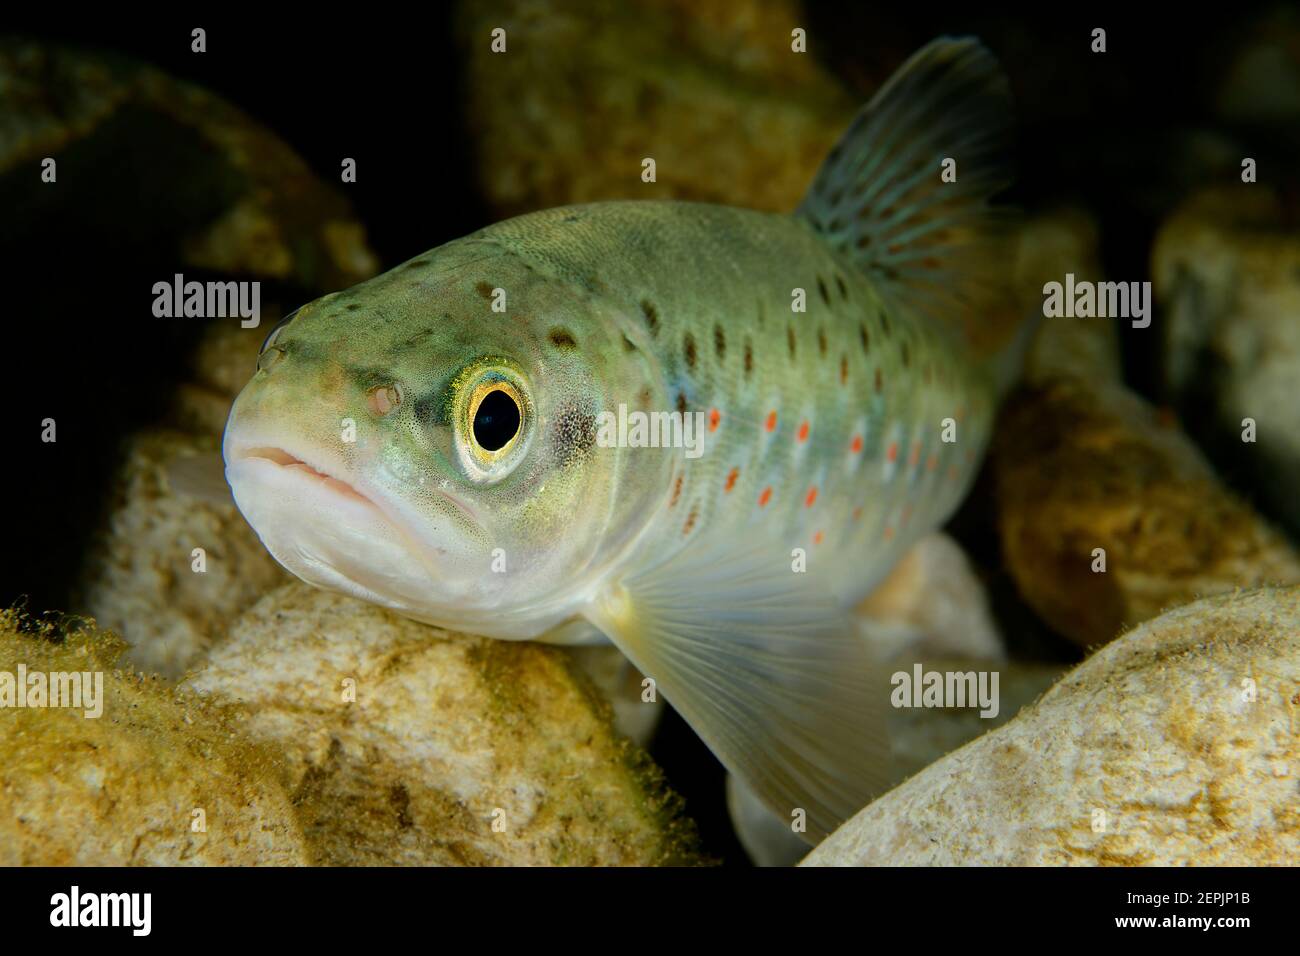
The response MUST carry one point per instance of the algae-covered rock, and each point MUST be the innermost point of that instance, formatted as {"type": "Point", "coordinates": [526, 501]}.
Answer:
{"type": "Point", "coordinates": [176, 562]}
{"type": "Point", "coordinates": [1176, 744]}
{"type": "Point", "coordinates": [156, 778]}
{"type": "Point", "coordinates": [1108, 515]}
{"type": "Point", "coordinates": [584, 92]}
{"type": "Point", "coordinates": [412, 745]}
{"type": "Point", "coordinates": [1226, 268]}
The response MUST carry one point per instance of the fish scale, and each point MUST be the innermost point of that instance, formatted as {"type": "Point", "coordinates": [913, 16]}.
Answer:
{"type": "Point", "coordinates": [366, 455]}
{"type": "Point", "coordinates": [648, 252]}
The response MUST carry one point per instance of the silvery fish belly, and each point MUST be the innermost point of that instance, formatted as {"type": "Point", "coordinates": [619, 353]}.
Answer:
{"type": "Point", "coordinates": [704, 433]}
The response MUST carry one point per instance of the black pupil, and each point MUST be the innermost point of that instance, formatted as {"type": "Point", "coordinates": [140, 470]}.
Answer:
{"type": "Point", "coordinates": [496, 420]}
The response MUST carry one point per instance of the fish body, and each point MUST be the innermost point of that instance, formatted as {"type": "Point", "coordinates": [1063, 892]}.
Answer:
{"type": "Point", "coordinates": [438, 440]}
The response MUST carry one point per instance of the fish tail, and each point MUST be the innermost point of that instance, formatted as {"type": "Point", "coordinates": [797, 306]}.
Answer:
{"type": "Point", "coordinates": [905, 195]}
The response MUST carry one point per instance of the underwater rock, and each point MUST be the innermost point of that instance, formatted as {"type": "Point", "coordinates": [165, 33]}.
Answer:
{"type": "Point", "coordinates": [585, 92]}
{"type": "Point", "coordinates": [413, 745]}
{"type": "Point", "coordinates": [1108, 515]}
{"type": "Point", "coordinates": [1049, 247]}
{"type": "Point", "coordinates": [238, 199]}
{"type": "Point", "coordinates": [144, 579]}
{"type": "Point", "coordinates": [1086, 470]}
{"type": "Point", "coordinates": [619, 682]}
{"type": "Point", "coordinates": [1262, 82]}
{"type": "Point", "coordinates": [224, 361]}
{"type": "Point", "coordinates": [931, 603]}
{"type": "Point", "coordinates": [1226, 267]}
{"type": "Point", "coordinates": [158, 778]}
{"type": "Point", "coordinates": [1176, 744]}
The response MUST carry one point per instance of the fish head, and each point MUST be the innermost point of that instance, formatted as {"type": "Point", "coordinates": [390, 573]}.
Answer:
{"type": "Point", "coordinates": [404, 443]}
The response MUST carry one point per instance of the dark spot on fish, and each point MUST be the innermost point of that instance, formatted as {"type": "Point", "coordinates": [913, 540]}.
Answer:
{"type": "Point", "coordinates": [844, 290]}
{"type": "Point", "coordinates": [352, 307]}
{"type": "Point", "coordinates": [651, 316]}
{"type": "Point", "coordinates": [417, 263]}
{"type": "Point", "coordinates": [821, 341]}
{"type": "Point", "coordinates": [484, 289]}
{"type": "Point", "coordinates": [681, 402]}
{"type": "Point", "coordinates": [821, 287]}
{"type": "Point", "coordinates": [720, 342]}
{"type": "Point", "coordinates": [866, 339]}
{"type": "Point", "coordinates": [415, 340]}
{"type": "Point", "coordinates": [572, 217]}
{"type": "Point", "coordinates": [562, 338]}
{"type": "Point", "coordinates": [688, 349]}
{"type": "Point", "coordinates": [884, 323]}
{"type": "Point", "coordinates": [880, 381]}
{"type": "Point", "coordinates": [789, 339]}
{"type": "Point", "coordinates": [844, 369]}
{"type": "Point", "coordinates": [628, 345]}
{"type": "Point", "coordinates": [643, 397]}
{"type": "Point", "coordinates": [749, 358]}
{"type": "Point", "coordinates": [575, 434]}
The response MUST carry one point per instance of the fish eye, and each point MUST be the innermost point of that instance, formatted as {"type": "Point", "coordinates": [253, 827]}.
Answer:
{"type": "Point", "coordinates": [493, 420]}
{"type": "Point", "coordinates": [496, 420]}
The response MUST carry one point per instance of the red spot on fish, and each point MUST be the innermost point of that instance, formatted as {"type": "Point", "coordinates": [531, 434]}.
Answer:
{"type": "Point", "coordinates": [953, 473]}
{"type": "Point", "coordinates": [677, 491]}
{"type": "Point", "coordinates": [889, 533]}
{"type": "Point", "coordinates": [857, 512]}
{"type": "Point", "coordinates": [765, 497]}
{"type": "Point", "coordinates": [857, 444]}
{"type": "Point", "coordinates": [690, 522]}
{"type": "Point", "coordinates": [803, 431]}
{"type": "Point", "coordinates": [811, 497]}
{"type": "Point", "coordinates": [715, 416]}
{"type": "Point", "coordinates": [932, 463]}
{"type": "Point", "coordinates": [892, 453]}
{"type": "Point", "coordinates": [817, 538]}
{"type": "Point", "coordinates": [771, 421]}
{"type": "Point", "coordinates": [731, 478]}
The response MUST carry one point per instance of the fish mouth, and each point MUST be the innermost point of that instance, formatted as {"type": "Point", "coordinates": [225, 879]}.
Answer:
{"type": "Point", "coordinates": [289, 461]}
{"type": "Point", "coordinates": [322, 478]}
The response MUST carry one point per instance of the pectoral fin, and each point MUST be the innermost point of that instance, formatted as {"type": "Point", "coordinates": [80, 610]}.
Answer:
{"type": "Point", "coordinates": [767, 669]}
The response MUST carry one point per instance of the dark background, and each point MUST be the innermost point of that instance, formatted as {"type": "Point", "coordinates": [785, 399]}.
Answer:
{"type": "Point", "coordinates": [82, 347]}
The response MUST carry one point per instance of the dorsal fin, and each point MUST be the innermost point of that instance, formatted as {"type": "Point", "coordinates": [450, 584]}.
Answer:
{"type": "Point", "coordinates": [880, 199]}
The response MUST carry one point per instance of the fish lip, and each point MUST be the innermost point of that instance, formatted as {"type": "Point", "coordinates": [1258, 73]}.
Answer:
{"type": "Point", "coordinates": [279, 455]}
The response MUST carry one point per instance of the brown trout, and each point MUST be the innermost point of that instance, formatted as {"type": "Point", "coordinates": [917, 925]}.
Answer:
{"type": "Point", "coordinates": [470, 439]}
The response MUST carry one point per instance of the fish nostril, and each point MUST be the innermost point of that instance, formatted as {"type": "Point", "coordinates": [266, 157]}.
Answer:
{"type": "Point", "coordinates": [383, 399]}
{"type": "Point", "coordinates": [269, 358]}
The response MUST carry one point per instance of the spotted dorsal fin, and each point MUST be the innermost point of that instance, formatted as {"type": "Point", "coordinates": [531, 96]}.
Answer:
{"type": "Point", "coordinates": [881, 198]}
